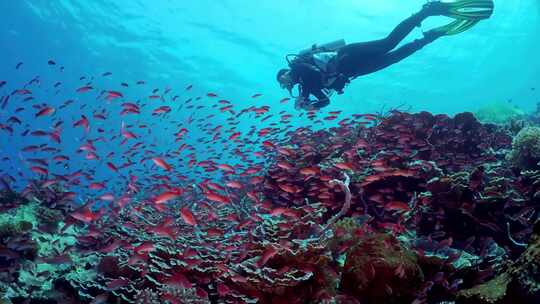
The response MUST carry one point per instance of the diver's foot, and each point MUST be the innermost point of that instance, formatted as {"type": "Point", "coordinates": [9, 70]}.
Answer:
{"type": "Point", "coordinates": [433, 34]}
{"type": "Point", "coordinates": [434, 8]}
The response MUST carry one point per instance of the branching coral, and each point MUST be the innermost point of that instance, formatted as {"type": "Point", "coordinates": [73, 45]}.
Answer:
{"type": "Point", "coordinates": [347, 204]}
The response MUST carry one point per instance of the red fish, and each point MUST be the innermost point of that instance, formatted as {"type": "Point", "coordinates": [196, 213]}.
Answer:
{"type": "Point", "coordinates": [128, 134]}
{"type": "Point", "coordinates": [268, 144]}
{"type": "Point", "coordinates": [39, 170]}
{"type": "Point", "coordinates": [161, 163]}
{"type": "Point", "coordinates": [310, 171]}
{"type": "Point", "coordinates": [234, 135]}
{"type": "Point", "coordinates": [217, 198]}
{"type": "Point", "coordinates": [82, 122]}
{"type": "Point", "coordinates": [107, 197]}
{"type": "Point", "coordinates": [112, 167]}
{"type": "Point", "coordinates": [288, 188]}
{"type": "Point", "coordinates": [188, 216]}
{"type": "Point", "coordinates": [84, 89]}
{"type": "Point", "coordinates": [284, 165]}
{"type": "Point", "coordinates": [167, 196]}
{"type": "Point", "coordinates": [45, 111]}
{"type": "Point", "coordinates": [369, 116]}
{"type": "Point", "coordinates": [285, 151]}
{"type": "Point", "coordinates": [86, 215]}
{"type": "Point", "coordinates": [225, 167]}
{"type": "Point", "coordinates": [284, 100]}
{"type": "Point", "coordinates": [161, 110]}
{"type": "Point", "coordinates": [344, 166]}
{"type": "Point", "coordinates": [233, 184]}
{"type": "Point", "coordinates": [396, 205]}
{"type": "Point", "coordinates": [113, 94]}
{"type": "Point", "coordinates": [60, 158]}
{"type": "Point", "coordinates": [215, 186]}
{"type": "Point", "coordinates": [96, 186]}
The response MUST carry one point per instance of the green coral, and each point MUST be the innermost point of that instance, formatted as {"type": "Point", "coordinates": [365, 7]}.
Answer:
{"type": "Point", "coordinates": [25, 213]}
{"type": "Point", "coordinates": [38, 275]}
{"type": "Point", "coordinates": [499, 113]}
{"type": "Point", "coordinates": [493, 291]}
{"type": "Point", "coordinates": [15, 228]}
{"type": "Point", "coordinates": [525, 153]}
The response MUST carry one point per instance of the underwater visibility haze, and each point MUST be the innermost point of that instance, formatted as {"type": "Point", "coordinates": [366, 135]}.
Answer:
{"type": "Point", "coordinates": [371, 151]}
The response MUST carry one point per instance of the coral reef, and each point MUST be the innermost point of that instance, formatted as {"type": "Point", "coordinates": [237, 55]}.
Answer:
{"type": "Point", "coordinates": [404, 208]}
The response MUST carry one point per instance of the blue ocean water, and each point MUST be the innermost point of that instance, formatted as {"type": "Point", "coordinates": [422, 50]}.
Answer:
{"type": "Point", "coordinates": [234, 48]}
{"type": "Point", "coordinates": [202, 73]}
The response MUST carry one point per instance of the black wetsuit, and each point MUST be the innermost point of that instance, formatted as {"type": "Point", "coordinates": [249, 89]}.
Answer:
{"type": "Point", "coordinates": [359, 59]}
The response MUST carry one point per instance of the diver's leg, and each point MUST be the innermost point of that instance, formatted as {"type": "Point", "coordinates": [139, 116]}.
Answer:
{"type": "Point", "coordinates": [403, 29]}
{"type": "Point", "coordinates": [385, 45]}
{"type": "Point", "coordinates": [401, 53]}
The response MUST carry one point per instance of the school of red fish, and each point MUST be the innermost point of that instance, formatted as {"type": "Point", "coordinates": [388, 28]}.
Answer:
{"type": "Point", "coordinates": [186, 190]}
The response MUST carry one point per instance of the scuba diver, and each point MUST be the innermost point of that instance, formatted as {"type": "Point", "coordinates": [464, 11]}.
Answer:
{"type": "Point", "coordinates": [322, 70]}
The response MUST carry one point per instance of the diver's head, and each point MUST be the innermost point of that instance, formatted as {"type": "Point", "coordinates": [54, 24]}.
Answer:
{"type": "Point", "coordinates": [285, 80]}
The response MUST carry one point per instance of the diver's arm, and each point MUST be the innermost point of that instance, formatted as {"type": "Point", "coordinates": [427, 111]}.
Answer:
{"type": "Point", "coordinates": [307, 75]}
{"type": "Point", "coordinates": [302, 101]}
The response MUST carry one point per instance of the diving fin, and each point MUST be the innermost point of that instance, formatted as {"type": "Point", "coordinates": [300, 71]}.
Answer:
{"type": "Point", "coordinates": [456, 27]}
{"type": "Point", "coordinates": [462, 9]}
{"type": "Point", "coordinates": [466, 12]}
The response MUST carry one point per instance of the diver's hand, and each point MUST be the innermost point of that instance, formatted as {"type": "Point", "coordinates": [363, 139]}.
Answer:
{"type": "Point", "coordinates": [300, 103]}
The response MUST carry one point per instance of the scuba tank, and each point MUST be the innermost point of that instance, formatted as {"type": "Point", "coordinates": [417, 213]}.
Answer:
{"type": "Point", "coordinates": [327, 47]}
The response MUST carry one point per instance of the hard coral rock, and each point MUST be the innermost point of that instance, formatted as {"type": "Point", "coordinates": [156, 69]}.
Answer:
{"type": "Point", "coordinates": [381, 270]}
{"type": "Point", "coordinates": [290, 277]}
{"type": "Point", "coordinates": [498, 112]}
{"type": "Point", "coordinates": [525, 153]}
